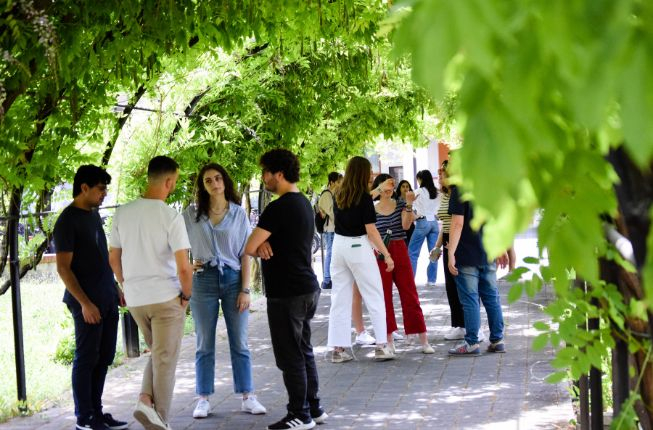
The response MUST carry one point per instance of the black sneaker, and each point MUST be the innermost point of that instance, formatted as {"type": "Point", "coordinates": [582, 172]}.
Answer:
{"type": "Point", "coordinates": [113, 423]}
{"type": "Point", "coordinates": [293, 422]}
{"type": "Point", "coordinates": [497, 346]}
{"type": "Point", "coordinates": [92, 423]}
{"type": "Point", "coordinates": [319, 415]}
{"type": "Point", "coordinates": [326, 285]}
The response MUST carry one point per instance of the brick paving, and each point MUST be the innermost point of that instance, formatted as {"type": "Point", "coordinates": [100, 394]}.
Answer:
{"type": "Point", "coordinates": [415, 391]}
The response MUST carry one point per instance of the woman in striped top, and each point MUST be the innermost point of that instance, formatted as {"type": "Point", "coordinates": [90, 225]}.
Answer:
{"type": "Point", "coordinates": [457, 317]}
{"type": "Point", "coordinates": [218, 230]}
{"type": "Point", "coordinates": [392, 215]}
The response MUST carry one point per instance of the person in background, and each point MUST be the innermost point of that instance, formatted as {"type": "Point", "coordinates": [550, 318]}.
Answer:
{"type": "Point", "coordinates": [400, 195]}
{"type": "Point", "coordinates": [426, 225]}
{"type": "Point", "coordinates": [91, 295]}
{"type": "Point", "coordinates": [353, 260]}
{"type": "Point", "coordinates": [393, 216]}
{"type": "Point", "coordinates": [325, 203]}
{"type": "Point", "coordinates": [218, 229]}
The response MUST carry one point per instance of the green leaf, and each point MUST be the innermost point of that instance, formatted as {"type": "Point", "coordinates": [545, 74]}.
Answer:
{"type": "Point", "coordinates": [556, 377]}
{"type": "Point", "coordinates": [515, 293]}
{"type": "Point", "coordinates": [540, 341]}
{"type": "Point", "coordinates": [531, 260]}
{"type": "Point", "coordinates": [541, 325]}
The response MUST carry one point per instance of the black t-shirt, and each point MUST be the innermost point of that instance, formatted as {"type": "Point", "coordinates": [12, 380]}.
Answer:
{"type": "Point", "coordinates": [290, 221]}
{"type": "Point", "coordinates": [351, 221]}
{"type": "Point", "coordinates": [80, 232]}
{"type": "Point", "coordinates": [470, 251]}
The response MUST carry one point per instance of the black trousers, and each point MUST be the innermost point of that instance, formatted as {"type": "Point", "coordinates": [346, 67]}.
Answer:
{"type": "Point", "coordinates": [290, 331]}
{"type": "Point", "coordinates": [95, 347]}
{"type": "Point", "coordinates": [457, 314]}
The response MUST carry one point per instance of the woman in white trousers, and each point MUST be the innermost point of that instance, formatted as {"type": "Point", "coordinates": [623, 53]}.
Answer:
{"type": "Point", "coordinates": [353, 260]}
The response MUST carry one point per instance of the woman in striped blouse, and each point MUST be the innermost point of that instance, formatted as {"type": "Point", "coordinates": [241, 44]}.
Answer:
{"type": "Point", "coordinates": [218, 230]}
{"type": "Point", "coordinates": [457, 317]}
{"type": "Point", "coordinates": [392, 215]}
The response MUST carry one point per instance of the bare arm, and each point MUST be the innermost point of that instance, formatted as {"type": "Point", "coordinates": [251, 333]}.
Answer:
{"type": "Point", "coordinates": [258, 239]}
{"type": "Point", "coordinates": [184, 272]}
{"type": "Point", "coordinates": [375, 238]}
{"type": "Point", "coordinates": [244, 299]}
{"type": "Point", "coordinates": [455, 231]}
{"type": "Point", "coordinates": [115, 256]}
{"type": "Point", "coordinates": [407, 219]}
{"type": "Point", "coordinates": [90, 312]}
{"type": "Point", "coordinates": [438, 242]}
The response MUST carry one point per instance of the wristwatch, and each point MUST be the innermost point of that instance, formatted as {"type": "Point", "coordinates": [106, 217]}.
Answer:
{"type": "Point", "coordinates": [184, 297]}
{"type": "Point", "coordinates": [245, 291]}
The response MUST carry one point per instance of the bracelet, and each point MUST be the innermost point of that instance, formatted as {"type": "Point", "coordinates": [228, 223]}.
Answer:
{"type": "Point", "coordinates": [184, 297]}
{"type": "Point", "coordinates": [245, 291]}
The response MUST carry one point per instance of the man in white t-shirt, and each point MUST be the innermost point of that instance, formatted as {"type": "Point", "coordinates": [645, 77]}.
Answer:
{"type": "Point", "coordinates": [149, 257]}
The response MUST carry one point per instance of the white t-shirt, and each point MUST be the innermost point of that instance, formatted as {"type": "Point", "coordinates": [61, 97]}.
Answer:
{"type": "Point", "coordinates": [425, 206]}
{"type": "Point", "coordinates": [149, 232]}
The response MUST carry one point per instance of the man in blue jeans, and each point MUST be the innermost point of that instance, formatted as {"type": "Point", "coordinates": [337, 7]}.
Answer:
{"type": "Point", "coordinates": [325, 203]}
{"type": "Point", "coordinates": [282, 239]}
{"type": "Point", "coordinates": [475, 278]}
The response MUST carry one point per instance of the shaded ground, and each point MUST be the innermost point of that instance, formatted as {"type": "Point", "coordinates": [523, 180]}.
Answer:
{"type": "Point", "coordinates": [415, 391]}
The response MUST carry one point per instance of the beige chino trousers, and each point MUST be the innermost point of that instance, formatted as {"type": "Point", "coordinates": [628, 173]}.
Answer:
{"type": "Point", "coordinates": [162, 325]}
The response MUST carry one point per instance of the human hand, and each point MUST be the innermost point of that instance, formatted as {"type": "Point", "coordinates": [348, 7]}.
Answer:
{"type": "Point", "coordinates": [198, 266]}
{"type": "Point", "coordinates": [91, 314]}
{"type": "Point", "coordinates": [387, 185]}
{"type": "Point", "coordinates": [243, 301]}
{"type": "Point", "coordinates": [264, 251]}
{"type": "Point", "coordinates": [503, 260]}
{"type": "Point", "coordinates": [410, 197]}
{"type": "Point", "coordinates": [452, 264]}
{"type": "Point", "coordinates": [389, 263]}
{"type": "Point", "coordinates": [435, 254]}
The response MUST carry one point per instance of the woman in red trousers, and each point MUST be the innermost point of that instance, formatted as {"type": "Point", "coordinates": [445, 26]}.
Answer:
{"type": "Point", "coordinates": [393, 215]}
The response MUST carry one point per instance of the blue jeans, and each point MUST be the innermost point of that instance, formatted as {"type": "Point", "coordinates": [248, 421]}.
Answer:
{"type": "Point", "coordinates": [210, 290]}
{"type": "Point", "coordinates": [424, 230]}
{"type": "Point", "coordinates": [328, 246]}
{"type": "Point", "coordinates": [474, 282]}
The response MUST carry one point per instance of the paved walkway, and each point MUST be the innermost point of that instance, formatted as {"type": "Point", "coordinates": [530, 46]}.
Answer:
{"type": "Point", "coordinates": [415, 391]}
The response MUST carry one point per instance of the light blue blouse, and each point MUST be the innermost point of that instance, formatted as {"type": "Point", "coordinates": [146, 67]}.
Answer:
{"type": "Point", "coordinates": [221, 244]}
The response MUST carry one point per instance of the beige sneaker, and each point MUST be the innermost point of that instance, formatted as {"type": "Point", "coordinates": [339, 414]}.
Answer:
{"type": "Point", "coordinates": [383, 353]}
{"type": "Point", "coordinates": [340, 357]}
{"type": "Point", "coordinates": [149, 417]}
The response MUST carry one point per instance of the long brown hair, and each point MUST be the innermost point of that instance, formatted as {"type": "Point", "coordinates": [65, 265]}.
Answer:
{"type": "Point", "coordinates": [355, 183]}
{"type": "Point", "coordinates": [203, 199]}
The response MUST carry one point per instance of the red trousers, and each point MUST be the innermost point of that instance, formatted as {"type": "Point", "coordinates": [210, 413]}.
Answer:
{"type": "Point", "coordinates": [402, 275]}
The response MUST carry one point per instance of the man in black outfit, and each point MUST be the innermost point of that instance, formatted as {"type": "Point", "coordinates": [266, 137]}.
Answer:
{"type": "Point", "coordinates": [91, 295]}
{"type": "Point", "coordinates": [282, 239]}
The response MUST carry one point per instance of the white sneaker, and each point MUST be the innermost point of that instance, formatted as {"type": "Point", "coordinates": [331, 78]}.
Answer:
{"type": "Point", "coordinates": [397, 336]}
{"type": "Point", "coordinates": [456, 333]}
{"type": "Point", "coordinates": [481, 335]}
{"type": "Point", "coordinates": [202, 409]}
{"type": "Point", "coordinates": [364, 338]}
{"type": "Point", "coordinates": [253, 406]}
{"type": "Point", "coordinates": [340, 357]}
{"type": "Point", "coordinates": [149, 417]}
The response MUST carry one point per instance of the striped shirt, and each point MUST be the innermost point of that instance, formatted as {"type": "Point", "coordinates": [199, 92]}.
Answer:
{"type": "Point", "coordinates": [392, 222]}
{"type": "Point", "coordinates": [443, 212]}
{"type": "Point", "coordinates": [222, 244]}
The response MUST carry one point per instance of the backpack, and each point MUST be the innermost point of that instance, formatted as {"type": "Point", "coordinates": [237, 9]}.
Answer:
{"type": "Point", "coordinates": [320, 221]}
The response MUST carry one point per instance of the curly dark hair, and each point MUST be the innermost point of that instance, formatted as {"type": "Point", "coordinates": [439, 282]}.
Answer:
{"type": "Point", "coordinates": [281, 160]}
{"type": "Point", "coordinates": [203, 199]}
{"type": "Point", "coordinates": [90, 175]}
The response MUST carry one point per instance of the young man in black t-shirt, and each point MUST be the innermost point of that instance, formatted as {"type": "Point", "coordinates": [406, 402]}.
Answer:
{"type": "Point", "coordinates": [91, 295]}
{"type": "Point", "coordinates": [282, 239]}
{"type": "Point", "coordinates": [476, 278]}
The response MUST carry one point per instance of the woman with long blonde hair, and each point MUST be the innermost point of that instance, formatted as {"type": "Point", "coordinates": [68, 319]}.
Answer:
{"type": "Point", "coordinates": [353, 260]}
